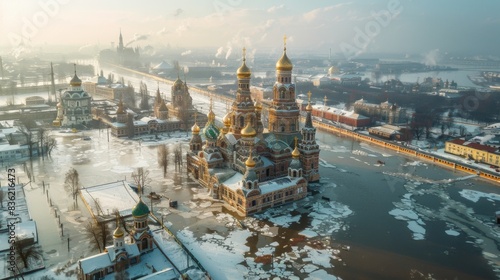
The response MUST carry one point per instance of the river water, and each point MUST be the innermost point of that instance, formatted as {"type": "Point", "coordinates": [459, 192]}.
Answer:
{"type": "Point", "coordinates": [402, 220]}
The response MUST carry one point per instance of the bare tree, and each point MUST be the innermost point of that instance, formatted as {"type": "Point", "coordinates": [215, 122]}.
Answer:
{"type": "Point", "coordinates": [143, 90]}
{"type": "Point", "coordinates": [99, 234]}
{"type": "Point", "coordinates": [45, 143]}
{"type": "Point", "coordinates": [72, 183]}
{"type": "Point", "coordinates": [122, 220]}
{"type": "Point", "coordinates": [92, 231]}
{"type": "Point", "coordinates": [141, 177]}
{"type": "Point", "coordinates": [417, 128]}
{"type": "Point", "coordinates": [178, 157]}
{"type": "Point", "coordinates": [26, 127]}
{"type": "Point", "coordinates": [163, 153]}
{"type": "Point", "coordinates": [462, 130]}
{"type": "Point", "coordinates": [25, 251]}
{"type": "Point", "coordinates": [50, 144]}
{"type": "Point", "coordinates": [130, 125]}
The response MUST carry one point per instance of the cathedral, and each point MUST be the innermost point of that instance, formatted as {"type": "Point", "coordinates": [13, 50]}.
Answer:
{"type": "Point", "coordinates": [74, 107]}
{"type": "Point", "coordinates": [126, 251]}
{"type": "Point", "coordinates": [125, 56]}
{"type": "Point", "coordinates": [250, 167]}
{"type": "Point", "coordinates": [176, 115]}
{"type": "Point", "coordinates": [181, 105]}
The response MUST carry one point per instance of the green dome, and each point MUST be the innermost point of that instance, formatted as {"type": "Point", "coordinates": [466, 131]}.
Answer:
{"type": "Point", "coordinates": [140, 209]}
{"type": "Point", "coordinates": [211, 131]}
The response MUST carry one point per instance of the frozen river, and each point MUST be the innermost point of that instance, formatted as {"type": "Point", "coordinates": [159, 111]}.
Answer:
{"type": "Point", "coordinates": [403, 220]}
{"type": "Point", "coordinates": [396, 221]}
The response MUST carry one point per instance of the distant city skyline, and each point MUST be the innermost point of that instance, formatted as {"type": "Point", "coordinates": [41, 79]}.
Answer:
{"type": "Point", "coordinates": [349, 28]}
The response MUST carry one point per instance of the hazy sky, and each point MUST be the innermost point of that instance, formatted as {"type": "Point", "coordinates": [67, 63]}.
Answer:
{"type": "Point", "coordinates": [225, 26]}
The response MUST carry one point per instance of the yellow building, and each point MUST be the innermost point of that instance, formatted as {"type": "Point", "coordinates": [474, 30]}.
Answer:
{"type": "Point", "coordinates": [475, 151]}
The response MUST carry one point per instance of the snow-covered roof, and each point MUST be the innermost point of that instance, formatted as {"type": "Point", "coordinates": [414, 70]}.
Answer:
{"type": "Point", "coordinates": [14, 147]}
{"type": "Point", "coordinates": [95, 263]}
{"type": "Point", "coordinates": [109, 196]}
{"type": "Point", "coordinates": [340, 112]}
{"type": "Point", "coordinates": [493, 126]}
{"type": "Point", "coordinates": [27, 229]}
{"type": "Point", "coordinates": [278, 184]}
{"type": "Point", "coordinates": [166, 274]}
{"type": "Point", "coordinates": [230, 137]}
{"type": "Point", "coordinates": [234, 182]}
{"type": "Point", "coordinates": [163, 65]}
{"type": "Point", "coordinates": [131, 248]}
{"type": "Point", "coordinates": [118, 125]}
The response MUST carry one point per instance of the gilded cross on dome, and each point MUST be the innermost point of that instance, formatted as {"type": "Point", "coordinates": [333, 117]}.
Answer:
{"type": "Point", "coordinates": [284, 41]}
{"type": "Point", "coordinates": [309, 96]}
{"type": "Point", "coordinates": [244, 54]}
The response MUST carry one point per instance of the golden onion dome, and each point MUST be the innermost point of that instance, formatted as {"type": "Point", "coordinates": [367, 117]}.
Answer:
{"type": "Point", "coordinates": [250, 162]}
{"type": "Point", "coordinates": [195, 129]}
{"type": "Point", "coordinates": [248, 131]}
{"type": "Point", "coordinates": [227, 119]}
{"type": "Point", "coordinates": [243, 72]}
{"type": "Point", "coordinates": [284, 64]}
{"type": "Point", "coordinates": [295, 153]}
{"type": "Point", "coordinates": [211, 116]}
{"type": "Point", "coordinates": [118, 232]}
{"type": "Point", "coordinates": [309, 108]}
{"type": "Point", "coordinates": [75, 82]}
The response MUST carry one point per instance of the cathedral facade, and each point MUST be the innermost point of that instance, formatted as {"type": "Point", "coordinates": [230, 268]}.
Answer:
{"type": "Point", "coordinates": [161, 121]}
{"type": "Point", "coordinates": [126, 251]}
{"type": "Point", "coordinates": [251, 167]}
{"type": "Point", "coordinates": [74, 107]}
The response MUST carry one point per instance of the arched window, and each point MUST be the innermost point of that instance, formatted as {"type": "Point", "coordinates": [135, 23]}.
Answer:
{"type": "Point", "coordinates": [242, 121]}
{"type": "Point", "coordinates": [144, 244]}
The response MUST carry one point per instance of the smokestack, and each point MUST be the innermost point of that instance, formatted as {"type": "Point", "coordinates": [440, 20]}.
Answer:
{"type": "Point", "coordinates": [52, 83]}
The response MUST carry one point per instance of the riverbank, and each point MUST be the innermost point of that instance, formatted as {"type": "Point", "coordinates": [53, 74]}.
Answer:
{"type": "Point", "coordinates": [438, 160]}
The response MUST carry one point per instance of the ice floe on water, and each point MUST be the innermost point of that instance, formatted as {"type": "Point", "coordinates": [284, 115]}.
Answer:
{"type": "Point", "coordinates": [415, 163]}
{"type": "Point", "coordinates": [359, 153]}
{"type": "Point", "coordinates": [474, 196]}
{"type": "Point", "coordinates": [417, 229]}
{"type": "Point", "coordinates": [452, 232]}
{"type": "Point", "coordinates": [307, 252]}
{"type": "Point", "coordinates": [320, 275]}
{"type": "Point", "coordinates": [404, 212]}
{"type": "Point", "coordinates": [324, 163]}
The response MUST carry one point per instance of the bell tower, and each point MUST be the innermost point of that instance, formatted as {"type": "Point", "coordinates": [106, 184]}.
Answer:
{"type": "Point", "coordinates": [284, 112]}
{"type": "Point", "coordinates": [309, 149]}
{"type": "Point", "coordinates": [243, 108]}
